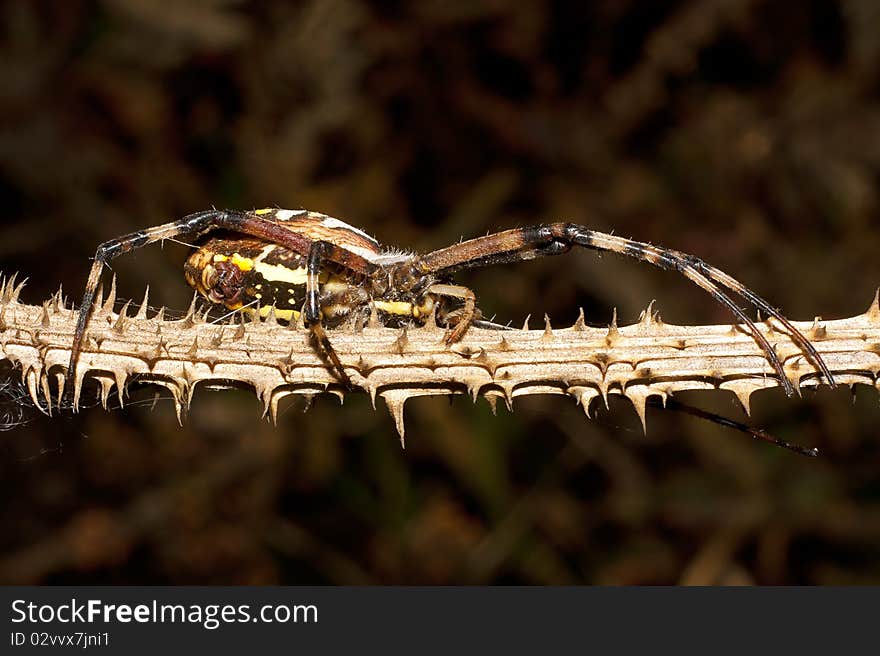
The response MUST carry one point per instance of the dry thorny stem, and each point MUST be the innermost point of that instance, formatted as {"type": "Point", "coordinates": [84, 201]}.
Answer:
{"type": "Point", "coordinates": [649, 358]}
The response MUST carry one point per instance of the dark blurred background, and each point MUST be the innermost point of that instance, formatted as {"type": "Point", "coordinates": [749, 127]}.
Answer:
{"type": "Point", "coordinates": [745, 131]}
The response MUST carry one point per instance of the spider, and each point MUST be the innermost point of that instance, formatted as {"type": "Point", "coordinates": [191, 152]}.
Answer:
{"type": "Point", "coordinates": [315, 268]}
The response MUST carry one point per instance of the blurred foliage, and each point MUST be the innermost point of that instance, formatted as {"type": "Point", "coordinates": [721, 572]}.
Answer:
{"type": "Point", "coordinates": [745, 131]}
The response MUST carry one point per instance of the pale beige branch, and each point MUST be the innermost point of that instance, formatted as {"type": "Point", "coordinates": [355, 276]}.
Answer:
{"type": "Point", "coordinates": [649, 358]}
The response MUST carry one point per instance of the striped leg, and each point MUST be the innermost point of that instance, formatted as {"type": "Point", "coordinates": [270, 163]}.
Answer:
{"type": "Point", "coordinates": [312, 310]}
{"type": "Point", "coordinates": [556, 238]}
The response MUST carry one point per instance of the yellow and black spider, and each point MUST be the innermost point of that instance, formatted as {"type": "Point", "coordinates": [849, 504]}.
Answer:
{"type": "Point", "coordinates": [310, 265]}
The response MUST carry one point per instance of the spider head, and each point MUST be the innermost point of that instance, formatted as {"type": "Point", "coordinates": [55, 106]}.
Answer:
{"type": "Point", "coordinates": [407, 279]}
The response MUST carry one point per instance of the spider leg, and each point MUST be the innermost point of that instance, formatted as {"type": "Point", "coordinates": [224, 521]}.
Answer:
{"type": "Point", "coordinates": [312, 310]}
{"type": "Point", "coordinates": [527, 243]}
{"type": "Point", "coordinates": [192, 225]}
{"type": "Point", "coordinates": [731, 283]}
{"type": "Point", "coordinates": [467, 313]}
{"type": "Point", "coordinates": [700, 272]}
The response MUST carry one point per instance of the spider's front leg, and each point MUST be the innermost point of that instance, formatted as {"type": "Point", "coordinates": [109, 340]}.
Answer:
{"type": "Point", "coordinates": [556, 238]}
{"type": "Point", "coordinates": [312, 315]}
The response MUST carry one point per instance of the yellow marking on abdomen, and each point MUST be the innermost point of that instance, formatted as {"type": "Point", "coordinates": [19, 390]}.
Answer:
{"type": "Point", "coordinates": [394, 307]}
{"type": "Point", "coordinates": [277, 272]}
{"type": "Point", "coordinates": [243, 263]}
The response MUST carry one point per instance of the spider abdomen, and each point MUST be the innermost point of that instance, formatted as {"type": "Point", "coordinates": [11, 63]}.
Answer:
{"type": "Point", "coordinates": [251, 275]}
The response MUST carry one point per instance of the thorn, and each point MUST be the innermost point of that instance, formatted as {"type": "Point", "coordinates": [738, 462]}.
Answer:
{"type": "Point", "coordinates": [59, 383]}
{"type": "Point", "coordinates": [121, 377]}
{"type": "Point", "coordinates": [548, 330]}
{"type": "Point", "coordinates": [111, 297]}
{"type": "Point", "coordinates": [431, 320]}
{"type": "Point", "coordinates": [44, 317]}
{"type": "Point", "coordinates": [371, 389]}
{"type": "Point", "coordinates": [525, 325]}
{"type": "Point", "coordinates": [160, 315]}
{"type": "Point", "coordinates": [47, 393]}
{"type": "Point", "coordinates": [638, 396]}
{"type": "Point", "coordinates": [194, 348]}
{"type": "Point", "coordinates": [176, 394]}
{"type": "Point", "coordinates": [584, 396]}
{"type": "Point", "coordinates": [217, 338]}
{"type": "Point", "coordinates": [271, 408]}
{"type": "Point", "coordinates": [474, 390]}
{"type": "Point", "coordinates": [647, 317]}
{"type": "Point", "coordinates": [373, 321]}
{"type": "Point", "coordinates": [58, 301]}
{"type": "Point", "coordinates": [79, 376]}
{"type": "Point", "coordinates": [151, 356]}
{"type": "Point", "coordinates": [603, 390]}
{"type": "Point", "coordinates": [613, 336]}
{"type": "Point", "coordinates": [239, 331]}
{"type": "Point", "coordinates": [287, 363]}
{"type": "Point", "coordinates": [142, 310]}
{"type": "Point", "coordinates": [817, 331]}
{"type": "Point", "coordinates": [119, 326]}
{"type": "Point", "coordinates": [504, 345]}
{"type": "Point", "coordinates": [201, 316]}
{"type": "Point", "coordinates": [271, 319]}
{"type": "Point", "coordinates": [276, 396]}
{"type": "Point", "coordinates": [402, 341]}
{"type": "Point", "coordinates": [30, 379]}
{"type": "Point", "coordinates": [13, 297]}
{"type": "Point", "coordinates": [484, 359]}
{"type": "Point", "coordinates": [873, 312]}
{"type": "Point", "coordinates": [190, 320]}
{"type": "Point", "coordinates": [395, 400]}
{"type": "Point", "coordinates": [743, 389]}
{"type": "Point", "coordinates": [507, 389]}
{"type": "Point", "coordinates": [580, 325]}
{"type": "Point", "coordinates": [492, 400]}
{"type": "Point", "coordinates": [264, 393]}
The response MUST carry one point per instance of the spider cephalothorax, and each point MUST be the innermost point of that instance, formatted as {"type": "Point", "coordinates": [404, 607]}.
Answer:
{"type": "Point", "coordinates": [311, 267]}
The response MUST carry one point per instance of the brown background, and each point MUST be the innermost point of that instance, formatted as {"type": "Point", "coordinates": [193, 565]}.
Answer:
{"type": "Point", "coordinates": [745, 131]}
